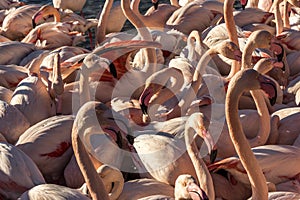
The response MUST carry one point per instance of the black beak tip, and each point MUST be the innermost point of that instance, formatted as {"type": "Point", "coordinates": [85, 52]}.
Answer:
{"type": "Point", "coordinates": [272, 101]}
{"type": "Point", "coordinates": [113, 70]}
{"type": "Point", "coordinates": [33, 23]}
{"type": "Point", "coordinates": [155, 5]}
{"type": "Point", "coordinates": [144, 109]}
{"type": "Point", "coordinates": [213, 155]}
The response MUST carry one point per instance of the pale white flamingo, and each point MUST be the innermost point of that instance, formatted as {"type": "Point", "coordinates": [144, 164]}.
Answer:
{"type": "Point", "coordinates": [31, 90]}
{"type": "Point", "coordinates": [18, 172]}
{"type": "Point", "coordinates": [48, 144]}
{"type": "Point", "coordinates": [94, 182]}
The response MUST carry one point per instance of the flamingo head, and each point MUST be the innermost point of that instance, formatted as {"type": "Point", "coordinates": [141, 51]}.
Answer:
{"type": "Point", "coordinates": [244, 3]}
{"type": "Point", "coordinates": [269, 87]}
{"type": "Point", "coordinates": [44, 12]}
{"type": "Point", "coordinates": [187, 188]}
{"type": "Point", "coordinates": [150, 92]}
{"type": "Point", "coordinates": [155, 4]}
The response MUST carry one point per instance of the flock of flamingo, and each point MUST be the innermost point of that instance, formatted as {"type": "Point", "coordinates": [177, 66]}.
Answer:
{"type": "Point", "coordinates": [198, 101]}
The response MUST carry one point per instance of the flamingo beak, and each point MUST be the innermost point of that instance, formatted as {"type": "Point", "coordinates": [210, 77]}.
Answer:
{"type": "Point", "coordinates": [144, 108]}
{"type": "Point", "coordinates": [195, 192]}
{"type": "Point", "coordinates": [213, 155]}
{"type": "Point", "coordinates": [243, 3]}
{"type": "Point", "coordinates": [237, 55]}
{"type": "Point", "coordinates": [269, 87]}
{"type": "Point", "coordinates": [113, 70]}
{"type": "Point", "coordinates": [155, 4]}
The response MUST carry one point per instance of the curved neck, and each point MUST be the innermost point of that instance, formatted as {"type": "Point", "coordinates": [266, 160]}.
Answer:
{"type": "Point", "coordinates": [264, 119]}
{"type": "Point", "coordinates": [247, 54]}
{"type": "Point", "coordinates": [92, 179]}
{"type": "Point", "coordinates": [232, 33]}
{"type": "Point", "coordinates": [203, 175]}
{"type": "Point", "coordinates": [102, 23]}
{"type": "Point", "coordinates": [197, 80]}
{"type": "Point", "coordinates": [143, 32]}
{"type": "Point", "coordinates": [256, 177]}
{"type": "Point", "coordinates": [169, 92]}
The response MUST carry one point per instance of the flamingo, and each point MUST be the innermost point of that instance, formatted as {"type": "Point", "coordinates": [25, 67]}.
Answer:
{"type": "Point", "coordinates": [18, 172]}
{"type": "Point", "coordinates": [247, 158]}
{"type": "Point", "coordinates": [63, 16]}
{"type": "Point", "coordinates": [51, 35]}
{"type": "Point", "coordinates": [114, 12]}
{"type": "Point", "coordinates": [226, 48]}
{"type": "Point", "coordinates": [86, 166]}
{"type": "Point", "coordinates": [31, 90]}
{"type": "Point", "coordinates": [48, 144]}
{"type": "Point", "coordinates": [17, 24]}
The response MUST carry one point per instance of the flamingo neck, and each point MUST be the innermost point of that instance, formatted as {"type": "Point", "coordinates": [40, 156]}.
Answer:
{"type": "Point", "coordinates": [103, 19]}
{"type": "Point", "coordinates": [143, 31]}
{"type": "Point", "coordinates": [278, 18]}
{"type": "Point", "coordinates": [242, 147]}
{"type": "Point", "coordinates": [93, 180]}
{"type": "Point", "coordinates": [232, 33]}
{"type": "Point", "coordinates": [197, 80]}
{"type": "Point", "coordinates": [203, 175]}
{"type": "Point", "coordinates": [247, 54]}
{"type": "Point", "coordinates": [84, 89]}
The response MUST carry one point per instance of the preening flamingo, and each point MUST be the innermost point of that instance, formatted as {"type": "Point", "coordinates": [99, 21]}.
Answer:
{"type": "Point", "coordinates": [17, 24]}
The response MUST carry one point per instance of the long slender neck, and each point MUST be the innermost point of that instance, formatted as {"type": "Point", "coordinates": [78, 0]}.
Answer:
{"type": "Point", "coordinates": [264, 119]}
{"type": "Point", "coordinates": [256, 177]}
{"type": "Point", "coordinates": [166, 94]}
{"type": "Point", "coordinates": [286, 20]}
{"type": "Point", "coordinates": [92, 179]}
{"type": "Point", "coordinates": [232, 33]}
{"type": "Point", "coordinates": [204, 177]}
{"type": "Point", "coordinates": [143, 32]}
{"type": "Point", "coordinates": [278, 18]}
{"type": "Point", "coordinates": [197, 80]}
{"type": "Point", "coordinates": [103, 19]}
{"type": "Point", "coordinates": [247, 54]}
{"type": "Point", "coordinates": [84, 89]}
